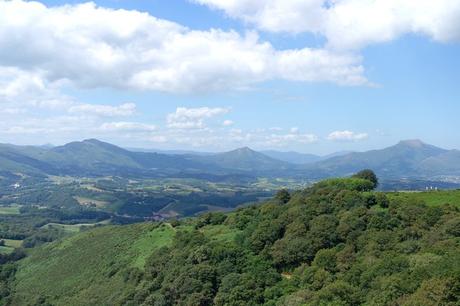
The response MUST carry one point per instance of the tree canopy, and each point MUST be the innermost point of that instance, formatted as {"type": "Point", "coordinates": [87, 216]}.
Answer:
{"type": "Point", "coordinates": [369, 175]}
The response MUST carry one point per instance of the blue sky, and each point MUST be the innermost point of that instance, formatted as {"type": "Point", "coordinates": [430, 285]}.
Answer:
{"type": "Point", "coordinates": [317, 86]}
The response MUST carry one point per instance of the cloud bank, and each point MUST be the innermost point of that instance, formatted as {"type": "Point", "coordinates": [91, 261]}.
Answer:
{"type": "Point", "coordinates": [349, 24]}
{"type": "Point", "coordinates": [89, 47]}
{"type": "Point", "coordinates": [346, 136]}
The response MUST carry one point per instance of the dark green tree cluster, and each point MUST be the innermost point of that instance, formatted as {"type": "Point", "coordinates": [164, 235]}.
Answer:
{"type": "Point", "coordinates": [336, 243]}
{"type": "Point", "coordinates": [8, 268]}
{"type": "Point", "coordinates": [369, 175]}
{"type": "Point", "coordinates": [283, 196]}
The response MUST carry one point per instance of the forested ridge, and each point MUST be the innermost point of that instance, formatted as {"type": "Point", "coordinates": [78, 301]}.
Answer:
{"type": "Point", "coordinates": [335, 243]}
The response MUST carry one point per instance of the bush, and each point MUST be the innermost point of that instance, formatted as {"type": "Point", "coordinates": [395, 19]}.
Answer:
{"type": "Point", "coordinates": [353, 184]}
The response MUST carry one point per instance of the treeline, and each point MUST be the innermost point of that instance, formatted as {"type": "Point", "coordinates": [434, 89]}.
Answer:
{"type": "Point", "coordinates": [336, 243]}
{"type": "Point", "coordinates": [8, 268]}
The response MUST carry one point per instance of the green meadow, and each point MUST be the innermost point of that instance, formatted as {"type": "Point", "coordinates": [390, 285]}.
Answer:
{"type": "Point", "coordinates": [431, 198]}
{"type": "Point", "coordinates": [10, 210]}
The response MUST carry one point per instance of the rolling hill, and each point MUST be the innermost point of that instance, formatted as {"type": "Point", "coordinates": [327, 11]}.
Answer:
{"type": "Point", "coordinates": [293, 157]}
{"type": "Point", "coordinates": [407, 159]}
{"type": "Point", "coordinates": [329, 244]}
{"type": "Point", "coordinates": [244, 159]}
{"type": "Point", "coordinates": [301, 158]}
{"type": "Point", "coordinates": [410, 158]}
{"type": "Point", "coordinates": [93, 157]}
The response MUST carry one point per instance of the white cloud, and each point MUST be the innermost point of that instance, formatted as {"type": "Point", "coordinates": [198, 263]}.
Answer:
{"type": "Point", "coordinates": [126, 109]}
{"type": "Point", "coordinates": [311, 65]}
{"type": "Point", "coordinates": [21, 90]}
{"type": "Point", "coordinates": [127, 127]}
{"type": "Point", "coordinates": [88, 46]}
{"type": "Point", "coordinates": [193, 118]}
{"type": "Point", "coordinates": [346, 136]}
{"type": "Point", "coordinates": [290, 139]}
{"type": "Point", "coordinates": [31, 89]}
{"type": "Point", "coordinates": [228, 123]}
{"type": "Point", "coordinates": [17, 129]}
{"type": "Point", "coordinates": [349, 23]}
{"type": "Point", "coordinates": [51, 125]}
{"type": "Point", "coordinates": [13, 111]}
{"type": "Point", "coordinates": [273, 15]}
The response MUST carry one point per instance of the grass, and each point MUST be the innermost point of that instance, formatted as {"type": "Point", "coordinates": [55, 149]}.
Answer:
{"type": "Point", "coordinates": [88, 202]}
{"type": "Point", "coordinates": [88, 268]}
{"type": "Point", "coordinates": [432, 198]}
{"type": "Point", "coordinates": [221, 233]}
{"type": "Point", "coordinates": [10, 210]}
{"type": "Point", "coordinates": [157, 238]}
{"type": "Point", "coordinates": [6, 250]}
{"type": "Point", "coordinates": [13, 243]}
{"type": "Point", "coordinates": [10, 245]}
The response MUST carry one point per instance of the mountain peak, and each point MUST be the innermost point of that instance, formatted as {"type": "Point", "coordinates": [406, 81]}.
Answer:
{"type": "Point", "coordinates": [415, 143]}
{"type": "Point", "coordinates": [244, 149]}
{"type": "Point", "coordinates": [93, 141]}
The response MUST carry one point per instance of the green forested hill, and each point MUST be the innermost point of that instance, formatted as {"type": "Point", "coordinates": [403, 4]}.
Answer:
{"type": "Point", "coordinates": [90, 268]}
{"type": "Point", "coordinates": [336, 243]}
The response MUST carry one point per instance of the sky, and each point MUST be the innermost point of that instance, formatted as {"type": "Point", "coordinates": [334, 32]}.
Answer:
{"type": "Point", "coordinates": [314, 76]}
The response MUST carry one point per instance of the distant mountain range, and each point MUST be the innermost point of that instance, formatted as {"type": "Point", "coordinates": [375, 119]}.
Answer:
{"type": "Point", "coordinates": [301, 158]}
{"type": "Point", "coordinates": [407, 159]}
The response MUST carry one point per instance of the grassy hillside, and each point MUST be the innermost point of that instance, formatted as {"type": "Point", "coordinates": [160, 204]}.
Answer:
{"type": "Point", "coordinates": [89, 268]}
{"type": "Point", "coordinates": [431, 198]}
{"type": "Point", "coordinates": [335, 243]}
{"type": "Point", "coordinates": [94, 267]}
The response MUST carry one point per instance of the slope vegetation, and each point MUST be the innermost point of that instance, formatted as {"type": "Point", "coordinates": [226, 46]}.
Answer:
{"type": "Point", "coordinates": [92, 268]}
{"type": "Point", "coordinates": [336, 243]}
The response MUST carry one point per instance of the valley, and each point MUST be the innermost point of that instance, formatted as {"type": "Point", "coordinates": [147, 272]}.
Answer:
{"type": "Point", "coordinates": [125, 219]}
{"type": "Point", "coordinates": [229, 153]}
{"type": "Point", "coordinates": [336, 242]}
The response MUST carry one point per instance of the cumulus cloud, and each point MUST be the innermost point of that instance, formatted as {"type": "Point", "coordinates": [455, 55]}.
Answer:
{"type": "Point", "coordinates": [29, 88]}
{"type": "Point", "coordinates": [279, 140]}
{"type": "Point", "coordinates": [346, 136]}
{"type": "Point", "coordinates": [229, 139]}
{"type": "Point", "coordinates": [46, 125]}
{"type": "Point", "coordinates": [126, 109]}
{"type": "Point", "coordinates": [193, 118]}
{"type": "Point", "coordinates": [349, 24]}
{"type": "Point", "coordinates": [273, 15]}
{"type": "Point", "coordinates": [89, 46]}
{"type": "Point", "coordinates": [228, 123]}
{"type": "Point", "coordinates": [127, 127]}
{"type": "Point", "coordinates": [13, 111]}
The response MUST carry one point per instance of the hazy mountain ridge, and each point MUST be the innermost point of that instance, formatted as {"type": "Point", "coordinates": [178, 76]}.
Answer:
{"type": "Point", "coordinates": [410, 158]}
{"type": "Point", "coordinates": [244, 159]}
{"type": "Point", "coordinates": [301, 158]}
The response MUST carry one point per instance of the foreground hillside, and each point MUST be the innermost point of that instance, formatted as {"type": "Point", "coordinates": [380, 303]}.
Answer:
{"type": "Point", "coordinates": [336, 243]}
{"type": "Point", "coordinates": [88, 269]}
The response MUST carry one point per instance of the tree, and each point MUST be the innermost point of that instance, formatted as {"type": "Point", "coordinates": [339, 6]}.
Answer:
{"type": "Point", "coordinates": [369, 175]}
{"type": "Point", "coordinates": [283, 196]}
